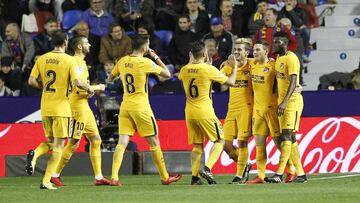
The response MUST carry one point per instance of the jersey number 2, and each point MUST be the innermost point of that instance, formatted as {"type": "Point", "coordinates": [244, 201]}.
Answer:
{"type": "Point", "coordinates": [52, 75]}
{"type": "Point", "coordinates": [193, 89]}
{"type": "Point", "coordinates": [129, 79]}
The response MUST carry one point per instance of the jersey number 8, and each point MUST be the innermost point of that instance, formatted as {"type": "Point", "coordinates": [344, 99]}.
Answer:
{"type": "Point", "coordinates": [129, 79]}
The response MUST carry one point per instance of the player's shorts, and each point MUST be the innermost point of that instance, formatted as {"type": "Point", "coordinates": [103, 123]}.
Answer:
{"type": "Point", "coordinates": [55, 126]}
{"type": "Point", "coordinates": [265, 122]}
{"type": "Point", "coordinates": [238, 124]}
{"type": "Point", "coordinates": [200, 129]}
{"type": "Point", "coordinates": [142, 122]}
{"type": "Point", "coordinates": [290, 120]}
{"type": "Point", "coordinates": [83, 122]}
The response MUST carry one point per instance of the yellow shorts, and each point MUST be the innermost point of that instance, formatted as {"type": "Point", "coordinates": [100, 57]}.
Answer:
{"type": "Point", "coordinates": [137, 121]}
{"type": "Point", "coordinates": [83, 122]}
{"type": "Point", "coordinates": [199, 129]}
{"type": "Point", "coordinates": [238, 125]}
{"type": "Point", "coordinates": [265, 121]}
{"type": "Point", "coordinates": [55, 126]}
{"type": "Point", "coordinates": [290, 120]}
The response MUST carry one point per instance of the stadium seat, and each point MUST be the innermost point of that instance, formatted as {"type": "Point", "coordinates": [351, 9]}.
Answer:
{"type": "Point", "coordinates": [165, 38]}
{"type": "Point", "coordinates": [129, 33]}
{"type": "Point", "coordinates": [70, 18]}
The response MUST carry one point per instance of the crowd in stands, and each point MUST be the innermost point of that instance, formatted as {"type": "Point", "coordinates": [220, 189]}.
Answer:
{"type": "Point", "coordinates": [108, 24]}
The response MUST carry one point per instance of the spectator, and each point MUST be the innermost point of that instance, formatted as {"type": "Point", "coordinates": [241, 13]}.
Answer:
{"type": "Point", "coordinates": [167, 13]}
{"type": "Point", "coordinates": [242, 12]}
{"type": "Point", "coordinates": [213, 53]}
{"type": "Point", "coordinates": [256, 20]}
{"type": "Point", "coordinates": [11, 11]}
{"type": "Point", "coordinates": [224, 40]}
{"type": "Point", "coordinates": [199, 19]}
{"type": "Point", "coordinates": [103, 74]}
{"type": "Point", "coordinates": [75, 5]}
{"type": "Point", "coordinates": [42, 41]}
{"type": "Point", "coordinates": [131, 12]}
{"type": "Point", "coordinates": [11, 76]}
{"type": "Point", "coordinates": [97, 19]}
{"type": "Point", "coordinates": [19, 46]}
{"type": "Point", "coordinates": [270, 28]}
{"type": "Point", "coordinates": [115, 45]}
{"type": "Point", "coordinates": [226, 10]}
{"type": "Point", "coordinates": [180, 43]}
{"type": "Point", "coordinates": [4, 91]}
{"type": "Point", "coordinates": [155, 43]}
{"type": "Point", "coordinates": [52, 6]}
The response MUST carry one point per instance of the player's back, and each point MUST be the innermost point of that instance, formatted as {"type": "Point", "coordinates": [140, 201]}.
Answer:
{"type": "Point", "coordinates": [79, 97]}
{"type": "Point", "coordinates": [264, 85]}
{"type": "Point", "coordinates": [197, 82]}
{"type": "Point", "coordinates": [54, 71]}
{"type": "Point", "coordinates": [134, 72]}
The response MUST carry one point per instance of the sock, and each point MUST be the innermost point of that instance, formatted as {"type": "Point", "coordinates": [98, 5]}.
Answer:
{"type": "Point", "coordinates": [214, 154]}
{"type": "Point", "coordinates": [52, 164]}
{"type": "Point", "coordinates": [261, 161]}
{"type": "Point", "coordinates": [295, 156]}
{"type": "Point", "coordinates": [241, 162]}
{"type": "Point", "coordinates": [95, 157]}
{"type": "Point", "coordinates": [196, 160]}
{"type": "Point", "coordinates": [290, 166]}
{"type": "Point", "coordinates": [40, 150]}
{"type": "Point", "coordinates": [234, 154]}
{"type": "Point", "coordinates": [285, 150]}
{"type": "Point", "coordinates": [65, 157]}
{"type": "Point", "coordinates": [158, 158]}
{"type": "Point", "coordinates": [117, 160]}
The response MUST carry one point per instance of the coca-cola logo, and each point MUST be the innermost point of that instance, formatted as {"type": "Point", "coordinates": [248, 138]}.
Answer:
{"type": "Point", "coordinates": [327, 145]}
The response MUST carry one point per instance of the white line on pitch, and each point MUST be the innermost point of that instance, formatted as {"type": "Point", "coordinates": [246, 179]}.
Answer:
{"type": "Point", "coordinates": [336, 177]}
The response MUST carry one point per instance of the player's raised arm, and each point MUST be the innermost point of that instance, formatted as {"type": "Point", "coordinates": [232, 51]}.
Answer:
{"type": "Point", "coordinates": [165, 73]}
{"type": "Point", "coordinates": [234, 64]}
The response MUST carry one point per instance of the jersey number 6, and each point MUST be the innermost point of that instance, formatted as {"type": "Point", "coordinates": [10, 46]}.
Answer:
{"type": "Point", "coordinates": [193, 89]}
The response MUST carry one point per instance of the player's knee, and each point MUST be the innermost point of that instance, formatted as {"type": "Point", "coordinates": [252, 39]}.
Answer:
{"type": "Point", "coordinates": [95, 143]}
{"type": "Point", "coordinates": [286, 135]}
{"type": "Point", "coordinates": [228, 146]}
{"type": "Point", "coordinates": [242, 143]}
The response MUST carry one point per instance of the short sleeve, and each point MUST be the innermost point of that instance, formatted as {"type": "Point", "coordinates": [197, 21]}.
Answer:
{"type": "Point", "coordinates": [35, 71]}
{"type": "Point", "coordinates": [115, 71]}
{"type": "Point", "coordinates": [75, 70]}
{"type": "Point", "coordinates": [293, 65]}
{"type": "Point", "coordinates": [152, 68]}
{"type": "Point", "coordinates": [216, 75]}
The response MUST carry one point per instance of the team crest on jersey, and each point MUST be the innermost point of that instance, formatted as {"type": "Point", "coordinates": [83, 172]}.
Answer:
{"type": "Point", "coordinates": [79, 70]}
{"type": "Point", "coordinates": [266, 70]}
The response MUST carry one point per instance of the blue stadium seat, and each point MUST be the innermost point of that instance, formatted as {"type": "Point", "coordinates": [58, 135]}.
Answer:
{"type": "Point", "coordinates": [165, 38]}
{"type": "Point", "coordinates": [70, 18]}
{"type": "Point", "coordinates": [129, 33]}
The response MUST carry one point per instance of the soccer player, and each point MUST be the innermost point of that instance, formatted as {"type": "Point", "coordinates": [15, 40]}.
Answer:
{"type": "Point", "coordinates": [201, 121]}
{"type": "Point", "coordinates": [265, 105]}
{"type": "Point", "coordinates": [83, 120]}
{"type": "Point", "coordinates": [55, 70]}
{"type": "Point", "coordinates": [135, 111]}
{"type": "Point", "coordinates": [290, 106]}
{"type": "Point", "coordinates": [238, 119]}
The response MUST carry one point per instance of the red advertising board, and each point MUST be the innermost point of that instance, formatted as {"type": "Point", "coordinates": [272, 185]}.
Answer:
{"type": "Point", "coordinates": [327, 144]}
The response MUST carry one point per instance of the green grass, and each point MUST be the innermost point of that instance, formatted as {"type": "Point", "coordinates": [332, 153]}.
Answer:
{"type": "Point", "coordinates": [147, 188]}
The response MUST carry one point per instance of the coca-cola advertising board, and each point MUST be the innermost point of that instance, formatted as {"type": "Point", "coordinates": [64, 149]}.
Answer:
{"type": "Point", "coordinates": [327, 144]}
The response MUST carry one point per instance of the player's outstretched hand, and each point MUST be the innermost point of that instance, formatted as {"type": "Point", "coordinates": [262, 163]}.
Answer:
{"type": "Point", "coordinates": [102, 87]}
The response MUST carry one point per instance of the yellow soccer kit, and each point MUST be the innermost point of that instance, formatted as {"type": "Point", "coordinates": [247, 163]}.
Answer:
{"type": "Point", "coordinates": [285, 66]}
{"type": "Point", "coordinates": [83, 120]}
{"type": "Point", "coordinates": [199, 112]}
{"type": "Point", "coordinates": [238, 118]}
{"type": "Point", "coordinates": [265, 99]}
{"type": "Point", "coordinates": [135, 111]}
{"type": "Point", "coordinates": [55, 70]}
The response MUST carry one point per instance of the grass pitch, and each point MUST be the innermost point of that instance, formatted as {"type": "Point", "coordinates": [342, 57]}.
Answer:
{"type": "Point", "coordinates": [147, 188]}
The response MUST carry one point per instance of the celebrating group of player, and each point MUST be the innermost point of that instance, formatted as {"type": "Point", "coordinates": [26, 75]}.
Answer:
{"type": "Point", "coordinates": [256, 106]}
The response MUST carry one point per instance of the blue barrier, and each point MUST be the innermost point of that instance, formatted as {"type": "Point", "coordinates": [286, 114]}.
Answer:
{"type": "Point", "coordinates": [171, 107]}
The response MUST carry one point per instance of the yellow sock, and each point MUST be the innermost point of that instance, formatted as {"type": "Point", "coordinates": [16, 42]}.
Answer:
{"type": "Point", "coordinates": [65, 157]}
{"type": "Point", "coordinates": [214, 154]}
{"type": "Point", "coordinates": [295, 156]}
{"type": "Point", "coordinates": [40, 150]}
{"type": "Point", "coordinates": [95, 157]}
{"type": "Point", "coordinates": [241, 162]}
{"type": "Point", "coordinates": [290, 166]}
{"type": "Point", "coordinates": [52, 164]}
{"type": "Point", "coordinates": [285, 150]}
{"type": "Point", "coordinates": [196, 160]}
{"type": "Point", "coordinates": [234, 154]}
{"type": "Point", "coordinates": [158, 158]}
{"type": "Point", "coordinates": [261, 158]}
{"type": "Point", "coordinates": [117, 160]}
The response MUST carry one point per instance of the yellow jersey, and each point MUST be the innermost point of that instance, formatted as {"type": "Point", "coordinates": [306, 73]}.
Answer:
{"type": "Point", "coordinates": [285, 66]}
{"type": "Point", "coordinates": [264, 85]}
{"type": "Point", "coordinates": [56, 71]}
{"type": "Point", "coordinates": [197, 81]}
{"type": "Point", "coordinates": [79, 97]}
{"type": "Point", "coordinates": [134, 72]}
{"type": "Point", "coordinates": [241, 94]}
